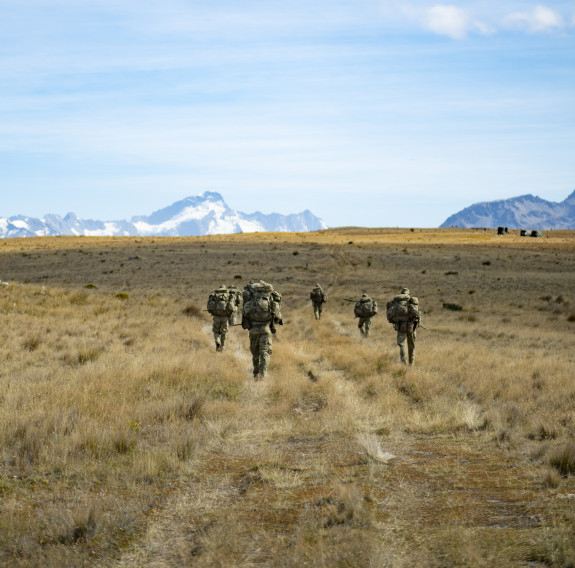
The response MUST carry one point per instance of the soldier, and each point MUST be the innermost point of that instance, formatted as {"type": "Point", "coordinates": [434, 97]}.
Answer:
{"type": "Point", "coordinates": [318, 297]}
{"type": "Point", "coordinates": [403, 313]}
{"type": "Point", "coordinates": [220, 306]}
{"type": "Point", "coordinates": [365, 309]}
{"type": "Point", "coordinates": [260, 314]}
{"type": "Point", "coordinates": [236, 297]}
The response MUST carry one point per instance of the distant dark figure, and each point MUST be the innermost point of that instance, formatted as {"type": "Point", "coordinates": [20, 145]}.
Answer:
{"type": "Point", "coordinates": [365, 309]}
{"type": "Point", "coordinates": [318, 297]}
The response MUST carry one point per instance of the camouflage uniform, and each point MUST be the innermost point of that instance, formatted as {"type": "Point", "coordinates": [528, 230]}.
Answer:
{"type": "Point", "coordinates": [261, 331]}
{"type": "Point", "coordinates": [236, 301]}
{"type": "Point", "coordinates": [220, 327]}
{"type": "Point", "coordinates": [406, 335]}
{"type": "Point", "coordinates": [261, 348]}
{"type": "Point", "coordinates": [314, 295]}
{"type": "Point", "coordinates": [364, 323]}
{"type": "Point", "coordinates": [220, 324]}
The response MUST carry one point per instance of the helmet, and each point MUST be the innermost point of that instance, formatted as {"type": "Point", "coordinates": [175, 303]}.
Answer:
{"type": "Point", "coordinates": [405, 291]}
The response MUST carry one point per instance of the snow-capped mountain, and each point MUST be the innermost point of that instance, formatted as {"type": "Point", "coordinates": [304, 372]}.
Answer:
{"type": "Point", "coordinates": [523, 212]}
{"type": "Point", "coordinates": [205, 214]}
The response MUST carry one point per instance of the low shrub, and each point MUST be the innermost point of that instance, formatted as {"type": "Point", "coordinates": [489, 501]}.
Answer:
{"type": "Point", "coordinates": [192, 311]}
{"type": "Point", "coordinates": [563, 459]}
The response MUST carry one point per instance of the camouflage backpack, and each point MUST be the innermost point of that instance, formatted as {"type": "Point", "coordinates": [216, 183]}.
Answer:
{"type": "Point", "coordinates": [261, 303]}
{"type": "Point", "coordinates": [220, 303]}
{"type": "Point", "coordinates": [365, 308]}
{"type": "Point", "coordinates": [317, 295]}
{"type": "Point", "coordinates": [402, 308]}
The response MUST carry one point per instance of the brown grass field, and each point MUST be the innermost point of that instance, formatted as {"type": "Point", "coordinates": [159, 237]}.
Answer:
{"type": "Point", "coordinates": [127, 441]}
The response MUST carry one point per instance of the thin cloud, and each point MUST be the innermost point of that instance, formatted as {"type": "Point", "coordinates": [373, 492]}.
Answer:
{"type": "Point", "coordinates": [447, 20]}
{"type": "Point", "coordinates": [459, 23]}
{"type": "Point", "coordinates": [541, 19]}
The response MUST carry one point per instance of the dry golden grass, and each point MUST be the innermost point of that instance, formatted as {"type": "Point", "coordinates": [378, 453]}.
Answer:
{"type": "Point", "coordinates": [127, 441]}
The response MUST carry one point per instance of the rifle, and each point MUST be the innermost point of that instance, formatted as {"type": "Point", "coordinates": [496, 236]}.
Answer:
{"type": "Point", "coordinates": [350, 300]}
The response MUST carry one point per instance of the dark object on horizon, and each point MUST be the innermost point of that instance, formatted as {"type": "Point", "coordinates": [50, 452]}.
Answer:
{"type": "Point", "coordinates": [502, 230]}
{"type": "Point", "coordinates": [523, 233]}
{"type": "Point", "coordinates": [536, 233]}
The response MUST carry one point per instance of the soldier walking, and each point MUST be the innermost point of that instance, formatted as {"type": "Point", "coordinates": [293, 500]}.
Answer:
{"type": "Point", "coordinates": [318, 297]}
{"type": "Point", "coordinates": [365, 309]}
{"type": "Point", "coordinates": [260, 314]}
{"type": "Point", "coordinates": [236, 298]}
{"type": "Point", "coordinates": [221, 309]}
{"type": "Point", "coordinates": [403, 313]}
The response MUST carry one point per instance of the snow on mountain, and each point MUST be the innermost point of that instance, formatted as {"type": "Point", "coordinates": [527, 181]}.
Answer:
{"type": "Point", "coordinates": [523, 212]}
{"type": "Point", "coordinates": [205, 214]}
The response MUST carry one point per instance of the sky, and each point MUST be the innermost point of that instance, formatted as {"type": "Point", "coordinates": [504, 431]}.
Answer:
{"type": "Point", "coordinates": [377, 113]}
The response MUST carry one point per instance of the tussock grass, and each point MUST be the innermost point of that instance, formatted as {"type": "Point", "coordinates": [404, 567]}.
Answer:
{"type": "Point", "coordinates": [563, 459]}
{"type": "Point", "coordinates": [127, 441]}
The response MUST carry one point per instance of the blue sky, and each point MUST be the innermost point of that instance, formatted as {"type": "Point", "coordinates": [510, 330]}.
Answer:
{"type": "Point", "coordinates": [367, 112]}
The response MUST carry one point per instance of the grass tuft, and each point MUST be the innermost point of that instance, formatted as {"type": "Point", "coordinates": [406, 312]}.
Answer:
{"type": "Point", "coordinates": [452, 307]}
{"type": "Point", "coordinates": [192, 311]}
{"type": "Point", "coordinates": [563, 459]}
{"type": "Point", "coordinates": [32, 342]}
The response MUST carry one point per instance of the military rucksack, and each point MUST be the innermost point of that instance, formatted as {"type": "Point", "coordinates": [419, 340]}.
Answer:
{"type": "Point", "coordinates": [318, 296]}
{"type": "Point", "coordinates": [402, 308]}
{"type": "Point", "coordinates": [261, 303]}
{"type": "Point", "coordinates": [220, 303]}
{"type": "Point", "coordinates": [365, 308]}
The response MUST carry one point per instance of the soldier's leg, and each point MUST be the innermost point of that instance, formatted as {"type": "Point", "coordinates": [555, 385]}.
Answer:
{"type": "Point", "coordinates": [265, 352]}
{"type": "Point", "coordinates": [360, 325]}
{"type": "Point", "coordinates": [255, 350]}
{"type": "Point", "coordinates": [411, 347]}
{"type": "Point", "coordinates": [319, 309]}
{"type": "Point", "coordinates": [216, 332]}
{"type": "Point", "coordinates": [367, 326]}
{"type": "Point", "coordinates": [316, 311]}
{"type": "Point", "coordinates": [224, 327]}
{"type": "Point", "coordinates": [402, 342]}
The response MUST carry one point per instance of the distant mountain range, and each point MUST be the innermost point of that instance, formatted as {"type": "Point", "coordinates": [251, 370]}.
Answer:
{"type": "Point", "coordinates": [523, 212]}
{"type": "Point", "coordinates": [205, 214]}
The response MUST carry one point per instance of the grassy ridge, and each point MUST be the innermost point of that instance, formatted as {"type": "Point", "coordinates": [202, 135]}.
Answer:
{"type": "Point", "coordinates": [127, 441]}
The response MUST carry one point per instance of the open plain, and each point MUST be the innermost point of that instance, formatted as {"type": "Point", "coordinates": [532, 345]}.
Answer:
{"type": "Point", "coordinates": [127, 441]}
